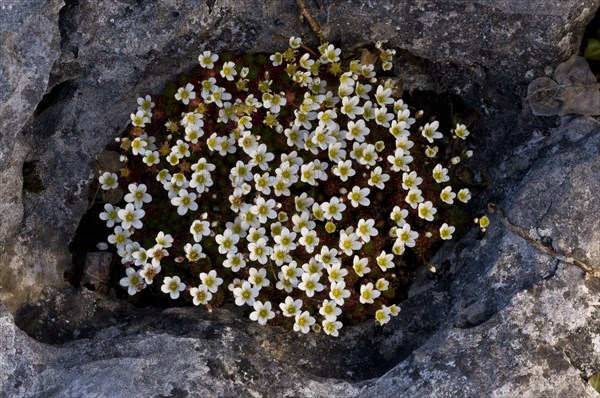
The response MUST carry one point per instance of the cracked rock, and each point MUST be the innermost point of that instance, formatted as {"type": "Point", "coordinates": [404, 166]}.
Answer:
{"type": "Point", "coordinates": [499, 319]}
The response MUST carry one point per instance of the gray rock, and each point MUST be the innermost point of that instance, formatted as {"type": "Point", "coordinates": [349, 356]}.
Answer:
{"type": "Point", "coordinates": [500, 319]}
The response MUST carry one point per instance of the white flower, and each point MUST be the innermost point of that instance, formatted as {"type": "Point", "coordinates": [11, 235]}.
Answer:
{"type": "Point", "coordinates": [291, 272]}
{"type": "Point", "coordinates": [310, 284]}
{"type": "Point", "coordinates": [157, 253]}
{"type": "Point", "coordinates": [461, 131]}
{"type": "Point", "coordinates": [338, 292]}
{"type": "Point", "coordinates": [399, 130]}
{"type": "Point", "coordinates": [411, 180]}
{"type": "Point", "coordinates": [185, 201]}
{"type": "Point", "coordinates": [303, 322]}
{"type": "Point", "coordinates": [303, 202]}
{"type": "Point", "coordinates": [211, 280]}
{"type": "Point", "coordinates": [464, 195]}
{"type": "Point", "coordinates": [120, 237]}
{"type": "Point", "coordinates": [140, 118]}
{"type": "Point", "coordinates": [163, 176]}
{"type": "Point", "coordinates": [208, 87]}
{"type": "Point", "coordinates": [218, 96]}
{"type": "Point", "coordinates": [262, 312]}
{"type": "Point", "coordinates": [241, 172]}
{"type": "Point", "coordinates": [259, 251]}
{"type": "Point", "coordinates": [290, 307]}
{"type": "Point", "coordinates": [255, 234]}
{"type": "Point", "coordinates": [303, 119]}
{"type": "Point", "coordinates": [227, 241]}
{"type": "Point", "coordinates": [363, 90]}
{"type": "Point", "coordinates": [350, 107]}
{"type": "Point", "coordinates": [138, 195]}
{"type": "Point", "coordinates": [446, 231]}
{"type": "Point", "coordinates": [309, 239]}
{"type": "Point", "coordinates": [414, 197]}
{"type": "Point", "coordinates": [368, 293]}
{"type": "Point", "coordinates": [426, 211]}
{"type": "Point", "coordinates": [133, 281]}
{"type": "Point", "coordinates": [335, 152]}
{"type": "Point", "coordinates": [333, 209]}
{"type": "Point", "coordinates": [110, 215]}
{"type": "Point", "coordinates": [200, 181]}
{"type": "Point", "coordinates": [261, 157]}
{"type": "Point", "coordinates": [378, 178]}
{"type": "Point", "coordinates": [431, 152]}
{"type": "Point", "coordinates": [430, 131]}
{"type": "Point", "coordinates": [360, 266]}
{"type": "Point", "coordinates": [382, 117]}
{"type": "Point", "coordinates": [382, 284]}
{"type": "Point", "coordinates": [349, 242]}
{"type": "Point", "coordinates": [198, 229]}
{"type": "Point", "coordinates": [200, 295]}
{"type": "Point", "coordinates": [383, 96]}
{"type": "Point", "coordinates": [130, 217]}
{"type": "Point", "coordinates": [164, 240]}
{"type": "Point", "coordinates": [273, 102]}
{"type": "Point", "coordinates": [406, 236]}
{"type": "Point", "coordinates": [400, 160]}
{"type": "Point", "coordinates": [357, 131]}
{"type": "Point", "coordinates": [145, 104]}
{"type": "Point", "coordinates": [228, 70]}
{"type": "Point", "coordinates": [399, 215]}
{"type": "Point", "coordinates": [235, 261]}
{"type": "Point", "coordinates": [359, 196]}
{"type": "Point", "coordinates": [109, 181]}
{"type": "Point", "coordinates": [303, 220]}
{"type": "Point", "coordinates": [369, 155]}
{"type": "Point", "coordinates": [336, 273]}
{"type": "Point", "coordinates": [193, 252]}
{"type": "Point", "coordinates": [327, 256]}
{"type": "Point", "coordinates": [313, 267]}
{"type": "Point", "coordinates": [344, 170]}
{"type": "Point", "coordinates": [173, 286]}
{"type": "Point", "coordinates": [385, 261]}
{"type": "Point", "coordinates": [263, 183]}
{"type": "Point", "coordinates": [245, 294]}
{"type": "Point", "coordinates": [331, 327]}
{"type": "Point", "coordinates": [447, 195]}
{"type": "Point", "coordinates": [138, 146]}
{"type": "Point", "coordinates": [330, 310]}
{"type": "Point", "coordinates": [207, 59]}
{"type": "Point", "coordinates": [151, 158]}
{"type": "Point", "coordinates": [264, 209]}
{"type": "Point", "coordinates": [258, 278]}
{"type": "Point", "coordinates": [149, 272]}
{"type": "Point", "coordinates": [277, 59]}
{"type": "Point", "coordinates": [366, 229]}
{"type": "Point", "coordinates": [192, 120]}
{"type": "Point", "coordinates": [286, 239]}
{"type": "Point", "coordinates": [383, 315]}
{"type": "Point", "coordinates": [440, 174]}
{"type": "Point", "coordinates": [295, 42]}
{"type": "Point", "coordinates": [185, 94]}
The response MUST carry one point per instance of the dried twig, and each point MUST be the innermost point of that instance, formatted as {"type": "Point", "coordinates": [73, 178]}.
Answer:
{"type": "Point", "coordinates": [312, 23]}
{"type": "Point", "coordinates": [93, 202]}
{"type": "Point", "coordinates": [591, 272]}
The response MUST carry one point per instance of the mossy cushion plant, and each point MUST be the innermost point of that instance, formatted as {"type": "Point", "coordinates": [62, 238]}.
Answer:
{"type": "Point", "coordinates": [294, 185]}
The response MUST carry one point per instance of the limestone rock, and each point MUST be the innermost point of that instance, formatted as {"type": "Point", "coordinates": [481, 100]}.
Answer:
{"type": "Point", "coordinates": [499, 319]}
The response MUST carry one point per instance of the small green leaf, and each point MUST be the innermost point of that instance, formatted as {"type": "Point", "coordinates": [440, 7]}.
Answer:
{"type": "Point", "coordinates": [592, 50]}
{"type": "Point", "coordinates": [594, 381]}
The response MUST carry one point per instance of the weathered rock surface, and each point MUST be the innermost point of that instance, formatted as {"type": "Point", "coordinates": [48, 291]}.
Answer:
{"type": "Point", "coordinates": [500, 319]}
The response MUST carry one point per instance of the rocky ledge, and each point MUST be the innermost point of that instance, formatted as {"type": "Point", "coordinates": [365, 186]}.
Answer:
{"type": "Point", "coordinates": [501, 318]}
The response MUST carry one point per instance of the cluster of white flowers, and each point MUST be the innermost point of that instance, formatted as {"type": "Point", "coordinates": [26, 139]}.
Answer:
{"type": "Point", "coordinates": [283, 234]}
